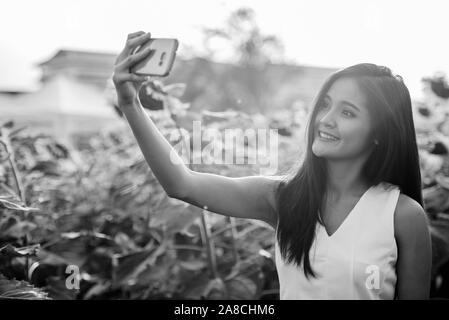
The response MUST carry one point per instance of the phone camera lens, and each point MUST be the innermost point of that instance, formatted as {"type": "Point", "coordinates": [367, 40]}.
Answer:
{"type": "Point", "coordinates": [162, 59]}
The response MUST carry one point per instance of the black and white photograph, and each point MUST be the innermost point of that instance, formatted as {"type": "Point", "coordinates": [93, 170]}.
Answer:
{"type": "Point", "coordinates": [232, 151]}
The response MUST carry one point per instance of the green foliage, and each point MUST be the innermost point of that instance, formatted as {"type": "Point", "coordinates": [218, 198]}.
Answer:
{"type": "Point", "coordinates": [14, 289]}
{"type": "Point", "coordinates": [96, 205]}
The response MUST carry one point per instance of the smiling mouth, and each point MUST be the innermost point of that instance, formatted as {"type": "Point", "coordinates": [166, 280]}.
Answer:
{"type": "Point", "coordinates": [327, 137]}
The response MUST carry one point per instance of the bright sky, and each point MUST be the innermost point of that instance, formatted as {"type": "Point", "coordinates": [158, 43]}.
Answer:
{"type": "Point", "coordinates": [407, 36]}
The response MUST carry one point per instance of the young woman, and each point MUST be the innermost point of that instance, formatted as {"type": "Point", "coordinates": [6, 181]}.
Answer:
{"type": "Point", "coordinates": [349, 220]}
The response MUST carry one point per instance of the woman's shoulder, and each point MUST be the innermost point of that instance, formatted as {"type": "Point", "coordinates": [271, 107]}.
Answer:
{"type": "Point", "coordinates": [407, 208]}
{"type": "Point", "coordinates": [409, 217]}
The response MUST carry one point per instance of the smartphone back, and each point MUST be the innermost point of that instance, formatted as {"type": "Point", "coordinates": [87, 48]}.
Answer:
{"type": "Point", "coordinates": [160, 62]}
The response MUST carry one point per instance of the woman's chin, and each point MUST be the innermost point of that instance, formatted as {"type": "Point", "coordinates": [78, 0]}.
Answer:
{"type": "Point", "coordinates": [319, 152]}
{"type": "Point", "coordinates": [319, 149]}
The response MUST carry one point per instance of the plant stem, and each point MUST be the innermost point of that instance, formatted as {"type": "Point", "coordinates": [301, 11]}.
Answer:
{"type": "Point", "coordinates": [210, 247]}
{"type": "Point", "coordinates": [11, 159]}
{"type": "Point", "coordinates": [225, 228]}
{"type": "Point", "coordinates": [18, 181]}
{"type": "Point", "coordinates": [148, 220]}
{"type": "Point", "coordinates": [233, 237]}
{"type": "Point", "coordinates": [186, 247]}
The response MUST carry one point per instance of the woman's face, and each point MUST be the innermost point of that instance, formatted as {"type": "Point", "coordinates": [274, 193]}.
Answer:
{"type": "Point", "coordinates": [343, 114]}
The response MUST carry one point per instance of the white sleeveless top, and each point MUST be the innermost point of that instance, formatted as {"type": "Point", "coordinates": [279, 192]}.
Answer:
{"type": "Point", "coordinates": [358, 261]}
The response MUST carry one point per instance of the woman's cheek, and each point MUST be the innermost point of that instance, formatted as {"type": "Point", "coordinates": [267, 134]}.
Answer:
{"type": "Point", "coordinates": [363, 140]}
{"type": "Point", "coordinates": [357, 137]}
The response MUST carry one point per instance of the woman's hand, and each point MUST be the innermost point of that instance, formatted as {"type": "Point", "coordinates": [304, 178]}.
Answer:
{"type": "Point", "coordinates": [128, 84]}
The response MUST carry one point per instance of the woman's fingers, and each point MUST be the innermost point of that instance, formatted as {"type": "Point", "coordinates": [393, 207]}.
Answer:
{"type": "Point", "coordinates": [135, 34]}
{"type": "Point", "coordinates": [124, 77]}
{"type": "Point", "coordinates": [126, 59]}
{"type": "Point", "coordinates": [134, 42]}
{"type": "Point", "coordinates": [134, 58]}
{"type": "Point", "coordinates": [127, 50]}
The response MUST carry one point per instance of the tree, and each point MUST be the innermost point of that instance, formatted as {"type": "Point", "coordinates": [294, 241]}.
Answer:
{"type": "Point", "coordinates": [249, 48]}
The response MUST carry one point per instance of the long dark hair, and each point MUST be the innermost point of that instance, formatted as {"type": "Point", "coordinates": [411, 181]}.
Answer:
{"type": "Point", "coordinates": [394, 160]}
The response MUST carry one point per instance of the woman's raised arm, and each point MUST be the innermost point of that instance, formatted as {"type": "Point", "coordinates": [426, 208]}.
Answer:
{"type": "Point", "coordinates": [246, 197]}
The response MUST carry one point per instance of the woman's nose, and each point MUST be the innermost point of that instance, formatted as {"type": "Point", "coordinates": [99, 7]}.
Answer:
{"type": "Point", "coordinates": [328, 119]}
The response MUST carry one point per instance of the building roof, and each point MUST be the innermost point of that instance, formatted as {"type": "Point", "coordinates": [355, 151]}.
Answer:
{"type": "Point", "coordinates": [69, 54]}
{"type": "Point", "coordinates": [61, 95]}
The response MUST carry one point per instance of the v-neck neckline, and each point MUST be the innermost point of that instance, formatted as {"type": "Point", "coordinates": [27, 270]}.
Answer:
{"type": "Point", "coordinates": [345, 219]}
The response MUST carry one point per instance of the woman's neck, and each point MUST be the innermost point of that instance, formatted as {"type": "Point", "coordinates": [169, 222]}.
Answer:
{"type": "Point", "coordinates": [345, 179]}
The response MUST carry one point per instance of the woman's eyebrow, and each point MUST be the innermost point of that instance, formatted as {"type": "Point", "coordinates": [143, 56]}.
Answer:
{"type": "Point", "coordinates": [344, 102]}
{"type": "Point", "coordinates": [350, 104]}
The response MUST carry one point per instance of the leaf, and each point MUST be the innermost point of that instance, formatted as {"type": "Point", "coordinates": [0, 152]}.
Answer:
{"type": "Point", "coordinates": [194, 265]}
{"type": "Point", "coordinates": [186, 119]}
{"type": "Point", "coordinates": [75, 247]}
{"type": "Point", "coordinates": [6, 224]}
{"type": "Point", "coordinates": [175, 89]}
{"type": "Point", "coordinates": [48, 167]}
{"type": "Point", "coordinates": [157, 87]}
{"type": "Point", "coordinates": [57, 289]}
{"type": "Point", "coordinates": [18, 229]}
{"type": "Point", "coordinates": [129, 266]}
{"type": "Point", "coordinates": [241, 288]}
{"type": "Point", "coordinates": [59, 151]}
{"type": "Point", "coordinates": [213, 116]}
{"type": "Point", "coordinates": [14, 289]}
{"type": "Point", "coordinates": [215, 290]}
{"type": "Point", "coordinates": [150, 99]}
{"type": "Point", "coordinates": [436, 198]}
{"type": "Point", "coordinates": [88, 235]}
{"type": "Point", "coordinates": [442, 181]}
{"type": "Point", "coordinates": [193, 287]}
{"type": "Point", "coordinates": [10, 203]}
{"type": "Point", "coordinates": [176, 216]}
{"type": "Point", "coordinates": [16, 131]}
{"type": "Point", "coordinates": [11, 251]}
{"type": "Point", "coordinates": [50, 258]}
{"type": "Point", "coordinates": [177, 107]}
{"type": "Point", "coordinates": [439, 230]}
{"type": "Point", "coordinates": [165, 269]}
{"type": "Point", "coordinates": [125, 242]}
{"type": "Point", "coordinates": [97, 289]}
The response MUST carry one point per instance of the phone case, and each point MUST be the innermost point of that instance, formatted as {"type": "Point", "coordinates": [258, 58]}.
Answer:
{"type": "Point", "coordinates": [161, 61]}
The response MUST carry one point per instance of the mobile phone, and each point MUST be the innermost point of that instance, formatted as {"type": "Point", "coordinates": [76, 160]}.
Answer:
{"type": "Point", "coordinates": [160, 60]}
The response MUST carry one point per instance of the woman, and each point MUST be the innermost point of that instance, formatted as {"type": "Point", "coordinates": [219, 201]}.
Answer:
{"type": "Point", "coordinates": [349, 221]}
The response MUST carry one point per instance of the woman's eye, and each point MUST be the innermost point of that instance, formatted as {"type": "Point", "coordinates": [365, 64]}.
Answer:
{"type": "Point", "coordinates": [348, 113]}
